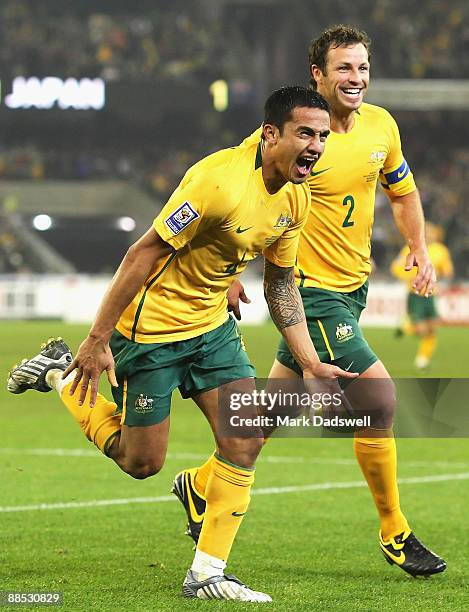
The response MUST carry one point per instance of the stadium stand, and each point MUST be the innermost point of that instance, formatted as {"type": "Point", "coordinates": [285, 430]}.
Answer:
{"type": "Point", "coordinates": [182, 38]}
{"type": "Point", "coordinates": [196, 42]}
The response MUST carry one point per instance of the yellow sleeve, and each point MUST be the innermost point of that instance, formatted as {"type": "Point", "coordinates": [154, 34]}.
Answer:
{"type": "Point", "coordinates": [252, 138]}
{"type": "Point", "coordinates": [396, 176]}
{"type": "Point", "coordinates": [190, 210]}
{"type": "Point", "coordinates": [282, 252]}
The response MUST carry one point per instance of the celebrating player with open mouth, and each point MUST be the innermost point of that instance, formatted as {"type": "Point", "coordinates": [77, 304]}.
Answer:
{"type": "Point", "coordinates": [164, 322]}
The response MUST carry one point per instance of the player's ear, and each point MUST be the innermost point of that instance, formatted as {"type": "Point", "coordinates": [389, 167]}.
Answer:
{"type": "Point", "coordinates": [270, 133]}
{"type": "Point", "coordinates": [316, 72]}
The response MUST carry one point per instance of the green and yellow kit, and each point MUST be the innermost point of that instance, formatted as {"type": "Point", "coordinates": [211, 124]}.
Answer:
{"type": "Point", "coordinates": [334, 252]}
{"type": "Point", "coordinates": [176, 332]}
{"type": "Point", "coordinates": [335, 247]}
{"type": "Point", "coordinates": [218, 219]}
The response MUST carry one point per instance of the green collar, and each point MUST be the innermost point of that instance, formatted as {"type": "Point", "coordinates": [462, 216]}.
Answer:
{"type": "Point", "coordinates": [258, 162]}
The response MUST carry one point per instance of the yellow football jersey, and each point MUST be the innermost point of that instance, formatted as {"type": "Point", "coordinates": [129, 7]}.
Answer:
{"type": "Point", "coordinates": [441, 259]}
{"type": "Point", "coordinates": [335, 245]}
{"type": "Point", "coordinates": [218, 219]}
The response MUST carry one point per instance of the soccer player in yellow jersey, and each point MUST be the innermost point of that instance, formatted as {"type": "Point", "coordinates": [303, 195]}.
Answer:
{"type": "Point", "coordinates": [163, 322]}
{"type": "Point", "coordinates": [333, 265]}
{"type": "Point", "coordinates": [422, 312]}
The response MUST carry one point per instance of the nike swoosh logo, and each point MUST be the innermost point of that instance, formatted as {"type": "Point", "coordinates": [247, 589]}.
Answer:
{"type": "Point", "coordinates": [195, 516]}
{"type": "Point", "coordinates": [244, 229]}
{"type": "Point", "coordinates": [399, 559]}
{"type": "Point", "coordinates": [238, 513]}
{"type": "Point", "coordinates": [349, 366]}
{"type": "Point", "coordinates": [320, 171]}
{"type": "Point", "coordinates": [400, 174]}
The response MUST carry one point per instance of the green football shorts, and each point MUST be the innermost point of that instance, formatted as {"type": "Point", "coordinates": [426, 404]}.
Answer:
{"type": "Point", "coordinates": [147, 374]}
{"type": "Point", "coordinates": [420, 308]}
{"type": "Point", "coordinates": [332, 319]}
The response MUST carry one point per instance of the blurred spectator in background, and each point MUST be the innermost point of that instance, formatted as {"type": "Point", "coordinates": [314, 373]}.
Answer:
{"type": "Point", "coordinates": [184, 39]}
{"type": "Point", "coordinates": [81, 40]}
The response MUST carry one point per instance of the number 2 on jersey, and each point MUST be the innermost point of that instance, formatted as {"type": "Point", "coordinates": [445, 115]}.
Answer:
{"type": "Point", "coordinates": [348, 200]}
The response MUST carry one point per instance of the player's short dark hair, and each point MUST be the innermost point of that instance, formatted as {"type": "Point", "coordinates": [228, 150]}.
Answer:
{"type": "Point", "coordinates": [336, 36]}
{"type": "Point", "coordinates": [280, 104]}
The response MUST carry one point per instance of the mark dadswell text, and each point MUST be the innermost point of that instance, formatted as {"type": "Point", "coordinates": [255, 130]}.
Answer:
{"type": "Point", "coordinates": [315, 420]}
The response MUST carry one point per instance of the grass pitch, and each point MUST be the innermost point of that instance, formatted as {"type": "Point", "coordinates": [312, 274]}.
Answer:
{"type": "Point", "coordinates": [312, 547]}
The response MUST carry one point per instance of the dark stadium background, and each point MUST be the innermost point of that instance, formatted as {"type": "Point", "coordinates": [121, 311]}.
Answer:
{"type": "Point", "coordinates": [159, 62]}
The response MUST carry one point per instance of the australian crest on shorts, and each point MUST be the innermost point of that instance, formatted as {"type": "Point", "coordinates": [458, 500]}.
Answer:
{"type": "Point", "coordinates": [143, 403]}
{"type": "Point", "coordinates": [344, 332]}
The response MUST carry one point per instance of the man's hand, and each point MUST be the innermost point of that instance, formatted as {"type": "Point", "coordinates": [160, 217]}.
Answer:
{"type": "Point", "coordinates": [323, 378]}
{"type": "Point", "coordinates": [425, 280]}
{"type": "Point", "coordinates": [236, 293]}
{"type": "Point", "coordinates": [92, 359]}
{"type": "Point", "coordinates": [327, 371]}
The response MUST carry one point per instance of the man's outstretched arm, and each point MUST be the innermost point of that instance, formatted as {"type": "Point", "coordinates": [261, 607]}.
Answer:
{"type": "Point", "coordinates": [94, 355]}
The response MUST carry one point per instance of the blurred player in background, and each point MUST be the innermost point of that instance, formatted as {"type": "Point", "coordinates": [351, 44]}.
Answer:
{"type": "Point", "coordinates": [422, 313]}
{"type": "Point", "coordinates": [164, 320]}
{"type": "Point", "coordinates": [333, 266]}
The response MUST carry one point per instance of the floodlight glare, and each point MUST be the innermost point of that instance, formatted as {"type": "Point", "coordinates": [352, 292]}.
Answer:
{"type": "Point", "coordinates": [42, 222]}
{"type": "Point", "coordinates": [126, 224]}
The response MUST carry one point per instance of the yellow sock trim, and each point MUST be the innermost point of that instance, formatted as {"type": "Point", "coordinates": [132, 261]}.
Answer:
{"type": "Point", "coordinates": [233, 465]}
{"type": "Point", "coordinates": [228, 496]}
{"type": "Point", "coordinates": [427, 346]}
{"type": "Point", "coordinates": [100, 423]}
{"type": "Point", "coordinates": [201, 476]}
{"type": "Point", "coordinates": [378, 460]}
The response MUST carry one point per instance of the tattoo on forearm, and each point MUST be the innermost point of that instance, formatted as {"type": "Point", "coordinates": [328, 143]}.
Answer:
{"type": "Point", "coordinates": [282, 296]}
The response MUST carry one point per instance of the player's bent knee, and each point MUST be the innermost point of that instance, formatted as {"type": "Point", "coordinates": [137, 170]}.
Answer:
{"type": "Point", "coordinates": [385, 411]}
{"type": "Point", "coordinates": [140, 470]}
{"type": "Point", "coordinates": [374, 397]}
{"type": "Point", "coordinates": [385, 405]}
{"type": "Point", "coordinates": [241, 451]}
